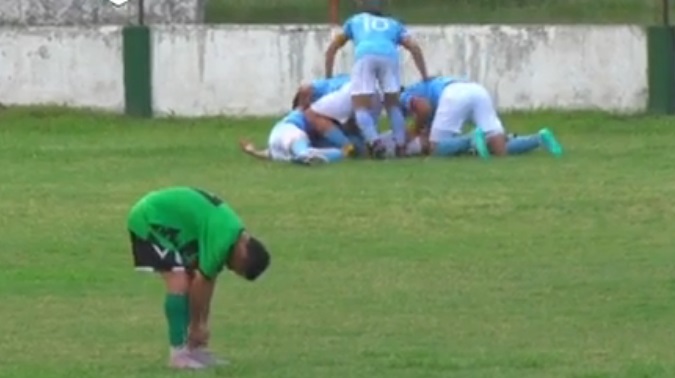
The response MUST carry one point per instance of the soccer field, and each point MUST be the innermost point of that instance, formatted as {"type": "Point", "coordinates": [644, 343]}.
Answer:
{"type": "Point", "coordinates": [514, 268]}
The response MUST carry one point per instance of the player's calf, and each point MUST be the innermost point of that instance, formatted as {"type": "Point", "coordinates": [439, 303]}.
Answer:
{"type": "Point", "coordinates": [327, 128]}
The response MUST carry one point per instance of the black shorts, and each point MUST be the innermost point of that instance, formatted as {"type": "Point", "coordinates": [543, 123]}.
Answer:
{"type": "Point", "coordinates": [150, 257]}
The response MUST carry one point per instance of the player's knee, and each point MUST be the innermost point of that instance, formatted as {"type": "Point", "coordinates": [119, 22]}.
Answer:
{"type": "Point", "coordinates": [361, 101]}
{"type": "Point", "coordinates": [177, 282]}
{"type": "Point", "coordinates": [391, 100]}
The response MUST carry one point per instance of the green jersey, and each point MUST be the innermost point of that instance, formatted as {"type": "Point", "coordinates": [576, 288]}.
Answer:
{"type": "Point", "coordinates": [195, 225]}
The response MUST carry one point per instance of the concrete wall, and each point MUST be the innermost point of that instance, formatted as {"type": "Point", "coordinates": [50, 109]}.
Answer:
{"type": "Point", "coordinates": [254, 70]}
{"type": "Point", "coordinates": [66, 66]}
{"type": "Point", "coordinates": [98, 12]}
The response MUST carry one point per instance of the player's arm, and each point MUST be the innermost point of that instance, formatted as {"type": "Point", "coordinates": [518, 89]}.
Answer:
{"type": "Point", "coordinates": [339, 40]}
{"type": "Point", "coordinates": [199, 294]}
{"type": "Point", "coordinates": [249, 148]}
{"type": "Point", "coordinates": [421, 110]}
{"type": "Point", "coordinates": [415, 51]}
{"type": "Point", "coordinates": [303, 97]}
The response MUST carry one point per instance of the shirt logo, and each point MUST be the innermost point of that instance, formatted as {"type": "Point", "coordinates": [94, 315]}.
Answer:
{"type": "Point", "coordinates": [161, 252]}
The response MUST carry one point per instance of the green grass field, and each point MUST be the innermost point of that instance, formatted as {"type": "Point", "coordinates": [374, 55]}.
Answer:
{"type": "Point", "coordinates": [524, 267]}
{"type": "Point", "coordinates": [447, 11]}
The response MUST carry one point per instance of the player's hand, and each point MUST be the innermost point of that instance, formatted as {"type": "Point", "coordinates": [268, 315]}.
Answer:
{"type": "Point", "coordinates": [198, 336]}
{"type": "Point", "coordinates": [246, 145]}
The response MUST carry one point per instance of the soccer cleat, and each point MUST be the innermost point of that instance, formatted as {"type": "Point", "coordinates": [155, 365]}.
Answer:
{"type": "Point", "coordinates": [480, 143]}
{"type": "Point", "coordinates": [181, 358]}
{"type": "Point", "coordinates": [205, 357]}
{"type": "Point", "coordinates": [349, 150]}
{"type": "Point", "coordinates": [550, 142]}
{"type": "Point", "coordinates": [377, 150]}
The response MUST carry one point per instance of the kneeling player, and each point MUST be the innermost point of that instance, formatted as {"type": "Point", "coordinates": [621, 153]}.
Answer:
{"type": "Point", "coordinates": [447, 103]}
{"type": "Point", "coordinates": [189, 236]}
{"type": "Point", "coordinates": [289, 142]}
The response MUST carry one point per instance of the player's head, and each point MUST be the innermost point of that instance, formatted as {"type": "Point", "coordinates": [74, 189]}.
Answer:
{"type": "Point", "coordinates": [371, 6]}
{"type": "Point", "coordinates": [250, 258]}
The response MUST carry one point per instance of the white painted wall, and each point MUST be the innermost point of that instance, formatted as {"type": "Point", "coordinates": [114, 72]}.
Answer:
{"type": "Point", "coordinates": [254, 69]}
{"type": "Point", "coordinates": [79, 67]}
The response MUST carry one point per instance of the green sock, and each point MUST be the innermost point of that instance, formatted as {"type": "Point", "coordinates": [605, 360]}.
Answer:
{"type": "Point", "coordinates": [176, 310]}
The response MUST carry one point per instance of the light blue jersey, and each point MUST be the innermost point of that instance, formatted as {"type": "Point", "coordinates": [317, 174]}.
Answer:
{"type": "Point", "coordinates": [296, 118]}
{"type": "Point", "coordinates": [430, 90]}
{"type": "Point", "coordinates": [322, 87]}
{"type": "Point", "coordinates": [374, 35]}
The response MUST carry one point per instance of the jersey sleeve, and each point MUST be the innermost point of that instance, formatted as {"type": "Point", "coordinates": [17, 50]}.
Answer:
{"type": "Point", "coordinates": [348, 28]}
{"type": "Point", "coordinates": [402, 33]}
{"type": "Point", "coordinates": [406, 100]}
{"type": "Point", "coordinates": [319, 88]}
{"type": "Point", "coordinates": [217, 241]}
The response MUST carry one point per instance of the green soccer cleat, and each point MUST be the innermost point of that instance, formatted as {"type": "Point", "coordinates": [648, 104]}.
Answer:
{"type": "Point", "coordinates": [550, 142]}
{"type": "Point", "coordinates": [480, 143]}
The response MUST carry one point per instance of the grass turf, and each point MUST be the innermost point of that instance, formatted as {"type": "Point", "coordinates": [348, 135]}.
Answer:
{"type": "Point", "coordinates": [447, 11]}
{"type": "Point", "coordinates": [525, 267]}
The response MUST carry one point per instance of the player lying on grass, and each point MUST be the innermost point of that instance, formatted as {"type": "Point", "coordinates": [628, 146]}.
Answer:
{"type": "Point", "coordinates": [313, 91]}
{"type": "Point", "coordinates": [289, 141]}
{"type": "Point", "coordinates": [189, 236]}
{"type": "Point", "coordinates": [444, 104]}
{"type": "Point", "coordinates": [376, 39]}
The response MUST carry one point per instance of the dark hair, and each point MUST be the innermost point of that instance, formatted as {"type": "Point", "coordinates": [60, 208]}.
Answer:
{"type": "Point", "coordinates": [257, 259]}
{"type": "Point", "coordinates": [296, 101]}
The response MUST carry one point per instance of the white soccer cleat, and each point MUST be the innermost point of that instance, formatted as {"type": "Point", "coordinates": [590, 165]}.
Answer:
{"type": "Point", "coordinates": [181, 358]}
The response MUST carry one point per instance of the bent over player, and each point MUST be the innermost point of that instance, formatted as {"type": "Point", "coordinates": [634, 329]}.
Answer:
{"type": "Point", "coordinates": [376, 39]}
{"type": "Point", "coordinates": [313, 91]}
{"type": "Point", "coordinates": [189, 236]}
{"type": "Point", "coordinates": [448, 103]}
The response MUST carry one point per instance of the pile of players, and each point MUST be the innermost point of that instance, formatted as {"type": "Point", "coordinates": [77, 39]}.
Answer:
{"type": "Point", "coordinates": [336, 117]}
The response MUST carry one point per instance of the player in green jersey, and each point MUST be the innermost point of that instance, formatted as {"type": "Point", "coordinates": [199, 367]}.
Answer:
{"type": "Point", "coordinates": [189, 236]}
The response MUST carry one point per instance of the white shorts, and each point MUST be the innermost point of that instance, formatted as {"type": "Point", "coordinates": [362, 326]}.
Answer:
{"type": "Point", "coordinates": [460, 103]}
{"type": "Point", "coordinates": [282, 137]}
{"type": "Point", "coordinates": [338, 105]}
{"type": "Point", "coordinates": [412, 148]}
{"type": "Point", "coordinates": [373, 72]}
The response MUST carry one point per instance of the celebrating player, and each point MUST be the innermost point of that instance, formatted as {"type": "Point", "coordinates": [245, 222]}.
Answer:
{"type": "Point", "coordinates": [376, 39]}
{"type": "Point", "coordinates": [189, 236]}
{"type": "Point", "coordinates": [310, 93]}
{"type": "Point", "coordinates": [289, 141]}
{"type": "Point", "coordinates": [446, 103]}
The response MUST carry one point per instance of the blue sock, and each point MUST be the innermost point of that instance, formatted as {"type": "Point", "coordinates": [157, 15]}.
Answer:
{"type": "Point", "coordinates": [331, 154]}
{"type": "Point", "coordinates": [366, 124]}
{"type": "Point", "coordinates": [336, 137]}
{"type": "Point", "coordinates": [359, 144]}
{"type": "Point", "coordinates": [300, 148]}
{"type": "Point", "coordinates": [522, 144]}
{"type": "Point", "coordinates": [397, 122]}
{"type": "Point", "coordinates": [453, 146]}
